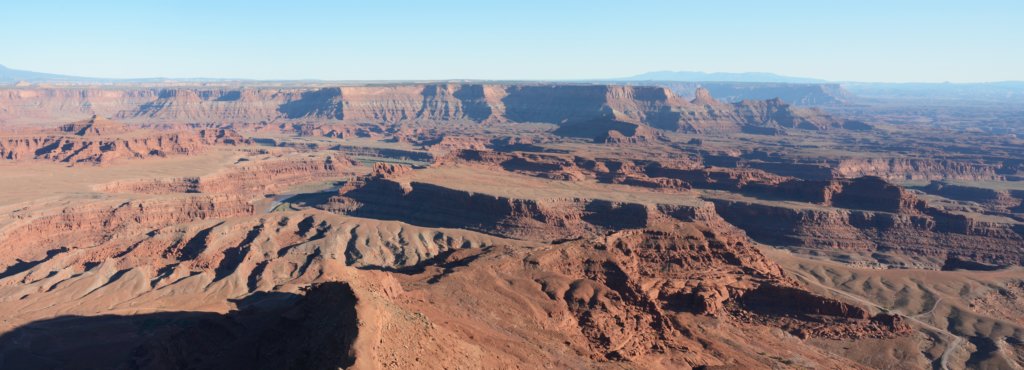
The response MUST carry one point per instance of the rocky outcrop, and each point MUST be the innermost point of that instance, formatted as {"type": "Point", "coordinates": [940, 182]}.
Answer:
{"type": "Point", "coordinates": [101, 141]}
{"type": "Point", "coordinates": [92, 224]}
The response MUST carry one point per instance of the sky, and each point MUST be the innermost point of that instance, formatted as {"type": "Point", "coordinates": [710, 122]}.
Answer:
{"type": "Point", "coordinates": [864, 40]}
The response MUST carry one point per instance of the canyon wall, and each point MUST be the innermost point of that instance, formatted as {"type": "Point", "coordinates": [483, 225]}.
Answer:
{"type": "Point", "coordinates": [545, 103]}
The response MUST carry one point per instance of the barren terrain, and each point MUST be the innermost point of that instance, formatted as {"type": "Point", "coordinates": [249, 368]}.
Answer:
{"type": "Point", "coordinates": [491, 225]}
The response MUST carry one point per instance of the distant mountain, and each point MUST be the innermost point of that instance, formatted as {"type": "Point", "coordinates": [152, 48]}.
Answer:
{"type": "Point", "coordinates": [10, 76]}
{"type": "Point", "coordinates": [718, 77]}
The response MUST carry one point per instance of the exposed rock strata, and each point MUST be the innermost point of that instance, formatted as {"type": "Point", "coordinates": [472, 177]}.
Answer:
{"type": "Point", "coordinates": [559, 104]}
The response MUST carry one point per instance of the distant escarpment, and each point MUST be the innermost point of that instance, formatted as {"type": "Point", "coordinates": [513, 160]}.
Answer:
{"type": "Point", "coordinates": [558, 104]}
{"type": "Point", "coordinates": [890, 166]}
{"type": "Point", "coordinates": [801, 94]}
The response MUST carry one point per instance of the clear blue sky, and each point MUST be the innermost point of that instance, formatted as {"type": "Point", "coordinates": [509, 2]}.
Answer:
{"type": "Point", "coordinates": [870, 40]}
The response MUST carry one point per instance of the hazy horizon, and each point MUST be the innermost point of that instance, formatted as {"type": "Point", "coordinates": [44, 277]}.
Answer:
{"type": "Point", "coordinates": [872, 41]}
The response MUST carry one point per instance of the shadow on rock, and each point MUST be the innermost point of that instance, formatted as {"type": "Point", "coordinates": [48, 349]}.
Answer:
{"type": "Point", "coordinates": [268, 331]}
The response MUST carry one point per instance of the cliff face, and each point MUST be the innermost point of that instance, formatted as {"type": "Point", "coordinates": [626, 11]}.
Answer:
{"type": "Point", "coordinates": [558, 104]}
{"type": "Point", "coordinates": [916, 169]}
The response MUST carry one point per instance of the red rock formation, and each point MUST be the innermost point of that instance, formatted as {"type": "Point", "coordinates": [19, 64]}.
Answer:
{"type": "Point", "coordinates": [389, 170]}
{"type": "Point", "coordinates": [91, 224]}
{"type": "Point", "coordinates": [446, 145]}
{"type": "Point", "coordinates": [101, 141]}
{"type": "Point", "coordinates": [98, 151]}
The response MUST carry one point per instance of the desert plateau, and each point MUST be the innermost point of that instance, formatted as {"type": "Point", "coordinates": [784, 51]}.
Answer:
{"type": "Point", "coordinates": [366, 220]}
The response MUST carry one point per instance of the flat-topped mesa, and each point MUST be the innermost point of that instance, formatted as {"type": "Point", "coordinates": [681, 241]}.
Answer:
{"type": "Point", "coordinates": [545, 218]}
{"type": "Point", "coordinates": [252, 178]}
{"type": "Point", "coordinates": [558, 104]}
{"type": "Point", "coordinates": [873, 194]}
{"type": "Point", "coordinates": [1000, 200]}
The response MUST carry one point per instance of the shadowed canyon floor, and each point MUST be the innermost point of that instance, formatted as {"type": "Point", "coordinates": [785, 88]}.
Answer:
{"type": "Point", "coordinates": [499, 226]}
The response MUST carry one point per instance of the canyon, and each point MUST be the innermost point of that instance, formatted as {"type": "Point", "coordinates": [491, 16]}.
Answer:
{"type": "Point", "coordinates": [501, 225]}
